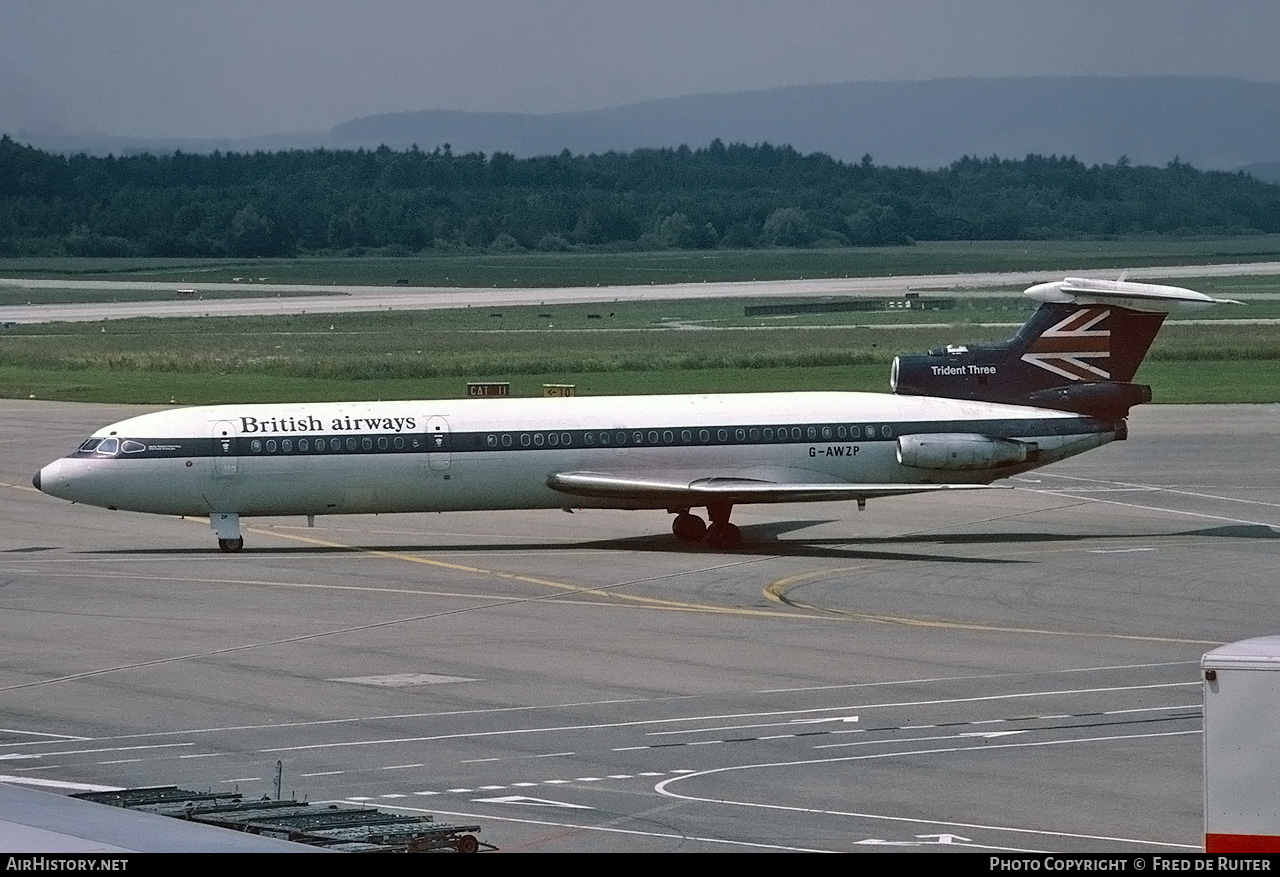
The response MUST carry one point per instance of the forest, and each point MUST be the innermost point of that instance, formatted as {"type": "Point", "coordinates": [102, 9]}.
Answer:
{"type": "Point", "coordinates": [397, 203]}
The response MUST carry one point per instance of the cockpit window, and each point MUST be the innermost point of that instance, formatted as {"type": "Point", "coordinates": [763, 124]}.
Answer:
{"type": "Point", "coordinates": [108, 446]}
{"type": "Point", "coordinates": [129, 446]}
{"type": "Point", "coordinates": [90, 445]}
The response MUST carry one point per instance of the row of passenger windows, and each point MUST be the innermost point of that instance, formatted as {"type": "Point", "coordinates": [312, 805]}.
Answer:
{"type": "Point", "coordinates": [611, 438]}
{"type": "Point", "coordinates": [335, 445]}
{"type": "Point", "coordinates": [720, 435]}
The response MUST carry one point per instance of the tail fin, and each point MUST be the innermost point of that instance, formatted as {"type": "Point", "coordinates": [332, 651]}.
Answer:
{"type": "Point", "coordinates": [1078, 352]}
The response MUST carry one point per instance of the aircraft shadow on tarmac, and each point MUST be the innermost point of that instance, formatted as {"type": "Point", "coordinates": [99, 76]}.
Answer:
{"type": "Point", "coordinates": [758, 540]}
{"type": "Point", "coordinates": [1237, 531]}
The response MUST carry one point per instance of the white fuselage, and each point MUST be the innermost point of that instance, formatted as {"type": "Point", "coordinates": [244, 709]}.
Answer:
{"type": "Point", "coordinates": [490, 454]}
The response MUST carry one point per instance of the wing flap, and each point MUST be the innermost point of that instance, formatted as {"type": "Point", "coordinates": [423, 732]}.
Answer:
{"type": "Point", "coordinates": [662, 492]}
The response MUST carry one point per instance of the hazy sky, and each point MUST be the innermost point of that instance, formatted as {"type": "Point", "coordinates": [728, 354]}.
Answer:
{"type": "Point", "coordinates": [230, 68]}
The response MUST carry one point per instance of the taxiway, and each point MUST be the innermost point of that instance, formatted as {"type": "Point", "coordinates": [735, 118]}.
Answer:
{"type": "Point", "coordinates": [1009, 670]}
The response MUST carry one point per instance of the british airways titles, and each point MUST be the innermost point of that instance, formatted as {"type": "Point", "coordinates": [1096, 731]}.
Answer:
{"type": "Point", "coordinates": [314, 424]}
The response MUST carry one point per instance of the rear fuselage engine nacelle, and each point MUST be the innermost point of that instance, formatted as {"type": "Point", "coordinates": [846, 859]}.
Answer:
{"type": "Point", "coordinates": [961, 451]}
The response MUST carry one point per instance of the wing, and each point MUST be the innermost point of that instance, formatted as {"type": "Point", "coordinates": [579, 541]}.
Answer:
{"type": "Point", "coordinates": [731, 490]}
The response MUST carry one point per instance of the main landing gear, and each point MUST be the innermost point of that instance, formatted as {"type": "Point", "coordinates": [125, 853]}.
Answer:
{"type": "Point", "coordinates": [227, 529]}
{"type": "Point", "coordinates": [721, 535]}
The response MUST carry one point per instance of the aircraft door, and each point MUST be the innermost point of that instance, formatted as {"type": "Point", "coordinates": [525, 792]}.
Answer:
{"type": "Point", "coordinates": [437, 443]}
{"type": "Point", "coordinates": [225, 459]}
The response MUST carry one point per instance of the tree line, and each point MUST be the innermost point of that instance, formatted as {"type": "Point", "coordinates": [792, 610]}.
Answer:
{"type": "Point", "coordinates": [403, 202]}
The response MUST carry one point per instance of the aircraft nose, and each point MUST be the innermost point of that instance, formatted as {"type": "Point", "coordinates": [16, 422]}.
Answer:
{"type": "Point", "coordinates": [46, 480]}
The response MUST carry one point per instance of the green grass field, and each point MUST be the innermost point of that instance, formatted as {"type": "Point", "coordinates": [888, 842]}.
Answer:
{"type": "Point", "coordinates": [620, 348]}
{"type": "Point", "coordinates": [590, 269]}
{"type": "Point", "coordinates": [1174, 382]}
{"type": "Point", "coordinates": [400, 355]}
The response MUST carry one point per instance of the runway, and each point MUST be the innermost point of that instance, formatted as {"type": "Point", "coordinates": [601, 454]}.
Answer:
{"type": "Point", "coordinates": [333, 299]}
{"type": "Point", "coordinates": [1005, 670]}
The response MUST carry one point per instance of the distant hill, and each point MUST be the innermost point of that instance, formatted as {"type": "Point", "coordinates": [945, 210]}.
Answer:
{"type": "Point", "coordinates": [1268, 171]}
{"type": "Point", "coordinates": [1211, 123]}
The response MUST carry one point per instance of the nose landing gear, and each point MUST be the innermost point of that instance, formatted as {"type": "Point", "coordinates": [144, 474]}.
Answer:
{"type": "Point", "coordinates": [227, 529]}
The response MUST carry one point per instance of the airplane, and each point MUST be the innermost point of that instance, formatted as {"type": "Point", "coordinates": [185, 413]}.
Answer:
{"type": "Point", "coordinates": [958, 418]}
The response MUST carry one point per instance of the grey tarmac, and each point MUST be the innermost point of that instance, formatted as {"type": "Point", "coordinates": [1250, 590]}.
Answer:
{"type": "Point", "coordinates": [1005, 670]}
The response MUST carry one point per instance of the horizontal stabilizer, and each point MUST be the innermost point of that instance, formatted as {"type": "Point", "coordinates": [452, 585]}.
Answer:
{"type": "Point", "coordinates": [1149, 297]}
{"type": "Point", "coordinates": [672, 493]}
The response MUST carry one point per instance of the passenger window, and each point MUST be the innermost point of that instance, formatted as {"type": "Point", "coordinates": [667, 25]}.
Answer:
{"type": "Point", "coordinates": [826, 433]}
{"type": "Point", "coordinates": [740, 434]}
{"type": "Point", "coordinates": [271, 446]}
{"type": "Point", "coordinates": [722, 434]}
{"type": "Point", "coordinates": [589, 438]}
{"type": "Point", "coordinates": [506, 440]}
{"type": "Point", "coordinates": [351, 444]}
{"type": "Point", "coordinates": [812, 433]}
{"type": "Point", "coordinates": [686, 435]}
{"type": "Point", "coordinates": [537, 439]}
{"type": "Point", "coordinates": [525, 440]}
{"type": "Point", "coordinates": [382, 443]}
{"type": "Point", "coordinates": [304, 445]}
{"type": "Point", "coordinates": [492, 441]}
{"type": "Point", "coordinates": [653, 437]}
{"type": "Point", "coordinates": [704, 435]}
{"type": "Point", "coordinates": [366, 443]}
{"type": "Point", "coordinates": [335, 444]}
{"type": "Point", "coordinates": [255, 446]}
{"type": "Point", "coordinates": [553, 439]}
{"type": "Point", "coordinates": [795, 433]}
{"type": "Point", "coordinates": [566, 439]}
{"type": "Point", "coordinates": [754, 433]}
{"type": "Point", "coordinates": [667, 437]}
{"type": "Point", "coordinates": [398, 442]}
{"type": "Point", "coordinates": [886, 431]}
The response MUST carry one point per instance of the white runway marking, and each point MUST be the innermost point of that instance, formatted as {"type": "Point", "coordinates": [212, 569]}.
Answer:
{"type": "Point", "coordinates": [116, 749]}
{"type": "Point", "coordinates": [662, 788]}
{"type": "Point", "coordinates": [41, 734]}
{"type": "Point", "coordinates": [1156, 488]}
{"type": "Point", "coordinates": [56, 784]}
{"type": "Point", "coordinates": [602, 828]}
{"type": "Point", "coordinates": [532, 802]}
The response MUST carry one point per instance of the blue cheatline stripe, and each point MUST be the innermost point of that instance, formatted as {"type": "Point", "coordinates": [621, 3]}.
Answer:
{"type": "Point", "coordinates": [293, 444]}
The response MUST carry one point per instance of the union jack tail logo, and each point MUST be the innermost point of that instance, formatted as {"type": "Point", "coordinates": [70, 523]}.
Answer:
{"type": "Point", "coordinates": [1077, 348]}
